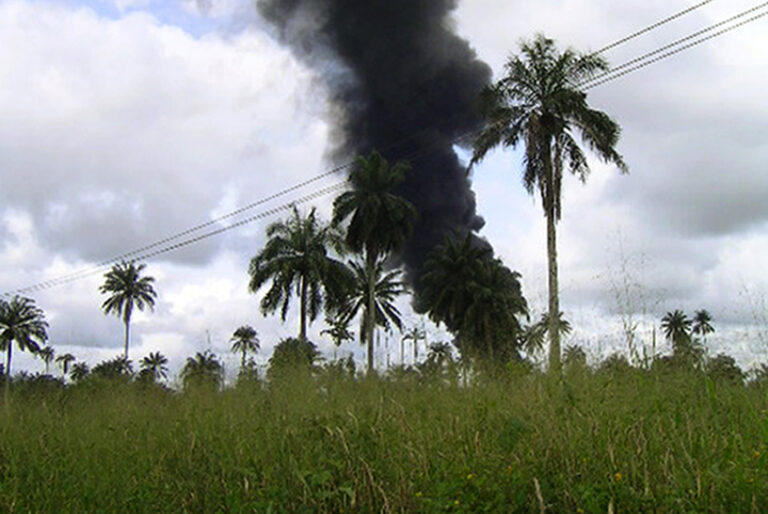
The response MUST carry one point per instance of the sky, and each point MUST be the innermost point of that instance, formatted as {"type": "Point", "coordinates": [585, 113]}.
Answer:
{"type": "Point", "coordinates": [126, 121]}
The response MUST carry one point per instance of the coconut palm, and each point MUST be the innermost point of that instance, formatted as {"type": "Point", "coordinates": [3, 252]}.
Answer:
{"type": "Point", "coordinates": [439, 354]}
{"type": "Point", "coordinates": [387, 288]}
{"type": "Point", "coordinates": [64, 361]}
{"type": "Point", "coordinates": [204, 369]}
{"type": "Point", "coordinates": [127, 289]}
{"type": "Point", "coordinates": [534, 335]}
{"type": "Point", "coordinates": [702, 323]}
{"type": "Point", "coordinates": [539, 103]}
{"type": "Point", "coordinates": [380, 222]}
{"type": "Point", "coordinates": [22, 322]}
{"type": "Point", "coordinates": [154, 366]}
{"type": "Point", "coordinates": [245, 340]}
{"type": "Point", "coordinates": [297, 259]}
{"type": "Point", "coordinates": [47, 353]}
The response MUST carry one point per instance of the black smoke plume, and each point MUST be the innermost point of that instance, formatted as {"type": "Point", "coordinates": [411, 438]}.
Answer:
{"type": "Point", "coordinates": [403, 83]}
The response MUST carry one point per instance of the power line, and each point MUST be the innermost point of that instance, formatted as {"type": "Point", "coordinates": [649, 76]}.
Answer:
{"type": "Point", "coordinates": [264, 214]}
{"type": "Point", "coordinates": [651, 27]}
{"type": "Point", "coordinates": [646, 60]}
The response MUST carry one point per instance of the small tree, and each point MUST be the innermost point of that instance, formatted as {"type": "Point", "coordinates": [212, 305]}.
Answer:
{"type": "Point", "coordinates": [64, 361]}
{"type": "Point", "coordinates": [23, 323]}
{"type": "Point", "coordinates": [245, 340]}
{"type": "Point", "coordinates": [203, 370]}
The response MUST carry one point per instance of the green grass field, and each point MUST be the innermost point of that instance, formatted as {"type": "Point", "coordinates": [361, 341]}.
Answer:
{"type": "Point", "coordinates": [628, 442]}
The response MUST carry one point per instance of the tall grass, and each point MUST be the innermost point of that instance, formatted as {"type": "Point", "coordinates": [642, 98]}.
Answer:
{"type": "Point", "coordinates": [635, 441]}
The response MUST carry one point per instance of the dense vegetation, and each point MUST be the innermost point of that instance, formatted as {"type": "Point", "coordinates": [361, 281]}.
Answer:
{"type": "Point", "coordinates": [513, 441]}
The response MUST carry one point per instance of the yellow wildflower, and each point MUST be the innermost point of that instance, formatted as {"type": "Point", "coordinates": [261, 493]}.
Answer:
{"type": "Point", "coordinates": [617, 477]}
{"type": "Point", "coordinates": [470, 476]}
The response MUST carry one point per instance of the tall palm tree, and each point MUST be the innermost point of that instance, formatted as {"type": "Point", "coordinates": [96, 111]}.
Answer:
{"type": "Point", "coordinates": [387, 288]}
{"type": "Point", "coordinates": [702, 323]}
{"type": "Point", "coordinates": [202, 369]}
{"type": "Point", "coordinates": [22, 322]}
{"type": "Point", "coordinates": [47, 353]}
{"type": "Point", "coordinates": [380, 221]}
{"type": "Point", "coordinates": [539, 103]}
{"type": "Point", "coordinates": [154, 366]}
{"type": "Point", "coordinates": [245, 340]}
{"type": "Point", "coordinates": [297, 259]}
{"type": "Point", "coordinates": [127, 289]}
{"type": "Point", "coordinates": [64, 361]}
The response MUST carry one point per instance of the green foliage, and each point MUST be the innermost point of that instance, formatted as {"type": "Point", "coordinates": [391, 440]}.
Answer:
{"type": "Point", "coordinates": [245, 340]}
{"type": "Point", "coordinates": [292, 356]}
{"type": "Point", "coordinates": [23, 323]}
{"type": "Point", "coordinates": [126, 289]}
{"type": "Point", "coordinates": [118, 368]}
{"type": "Point", "coordinates": [635, 442]}
{"type": "Point", "coordinates": [203, 371]}
{"type": "Point", "coordinates": [296, 259]}
{"type": "Point", "coordinates": [475, 296]}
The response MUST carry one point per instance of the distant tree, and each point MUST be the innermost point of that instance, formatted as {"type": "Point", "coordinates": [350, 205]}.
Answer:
{"type": "Point", "coordinates": [297, 259]}
{"type": "Point", "coordinates": [724, 367]}
{"type": "Point", "coordinates": [414, 335]}
{"type": "Point", "coordinates": [114, 369]}
{"type": "Point", "coordinates": [203, 370]}
{"type": "Point", "coordinates": [47, 353]}
{"type": "Point", "coordinates": [380, 221]}
{"type": "Point", "coordinates": [702, 323]}
{"type": "Point", "coordinates": [541, 104]}
{"type": "Point", "coordinates": [338, 331]}
{"type": "Point", "coordinates": [64, 361]}
{"type": "Point", "coordinates": [477, 298]}
{"type": "Point", "coordinates": [23, 323]}
{"type": "Point", "coordinates": [154, 367]}
{"type": "Point", "coordinates": [127, 289]}
{"type": "Point", "coordinates": [676, 327]}
{"type": "Point", "coordinates": [79, 371]}
{"type": "Point", "coordinates": [440, 354]}
{"type": "Point", "coordinates": [245, 340]}
{"type": "Point", "coordinates": [574, 355]}
{"type": "Point", "coordinates": [533, 336]}
{"type": "Point", "coordinates": [292, 354]}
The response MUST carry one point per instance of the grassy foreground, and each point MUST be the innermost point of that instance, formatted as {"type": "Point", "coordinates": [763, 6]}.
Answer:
{"type": "Point", "coordinates": [632, 442]}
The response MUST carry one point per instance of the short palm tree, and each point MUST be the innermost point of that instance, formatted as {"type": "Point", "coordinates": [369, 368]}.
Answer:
{"type": "Point", "coordinates": [380, 221]}
{"type": "Point", "coordinates": [23, 323]}
{"type": "Point", "coordinates": [154, 366]}
{"type": "Point", "coordinates": [297, 259]}
{"type": "Point", "coordinates": [204, 369]}
{"type": "Point", "coordinates": [245, 340]}
{"type": "Point", "coordinates": [47, 353]}
{"type": "Point", "coordinates": [387, 288]}
{"type": "Point", "coordinates": [439, 354]}
{"type": "Point", "coordinates": [64, 361]}
{"type": "Point", "coordinates": [338, 331]}
{"type": "Point", "coordinates": [127, 289]}
{"type": "Point", "coordinates": [539, 103]}
{"type": "Point", "coordinates": [79, 371]}
{"type": "Point", "coordinates": [533, 336]}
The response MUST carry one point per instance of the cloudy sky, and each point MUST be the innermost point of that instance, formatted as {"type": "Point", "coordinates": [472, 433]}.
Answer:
{"type": "Point", "coordinates": [125, 121]}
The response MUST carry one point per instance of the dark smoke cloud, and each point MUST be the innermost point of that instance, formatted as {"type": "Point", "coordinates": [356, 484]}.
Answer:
{"type": "Point", "coordinates": [404, 84]}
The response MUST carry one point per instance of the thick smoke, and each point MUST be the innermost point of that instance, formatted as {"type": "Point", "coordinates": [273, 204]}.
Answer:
{"type": "Point", "coordinates": [403, 84]}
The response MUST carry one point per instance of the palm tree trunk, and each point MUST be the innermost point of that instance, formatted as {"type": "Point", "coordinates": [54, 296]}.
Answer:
{"type": "Point", "coordinates": [303, 327]}
{"type": "Point", "coordinates": [127, 335]}
{"type": "Point", "coordinates": [370, 313]}
{"type": "Point", "coordinates": [8, 361]}
{"type": "Point", "coordinates": [550, 201]}
{"type": "Point", "coordinates": [242, 362]}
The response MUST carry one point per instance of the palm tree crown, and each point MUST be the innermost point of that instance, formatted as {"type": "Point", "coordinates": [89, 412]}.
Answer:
{"type": "Point", "coordinates": [702, 323]}
{"type": "Point", "coordinates": [154, 366]}
{"type": "Point", "coordinates": [380, 222]}
{"type": "Point", "coordinates": [245, 340]}
{"type": "Point", "coordinates": [22, 322]}
{"type": "Point", "coordinates": [676, 326]}
{"type": "Point", "coordinates": [64, 361]}
{"type": "Point", "coordinates": [204, 369]}
{"type": "Point", "coordinates": [539, 103]}
{"type": "Point", "coordinates": [47, 353]}
{"type": "Point", "coordinates": [296, 259]}
{"type": "Point", "coordinates": [127, 289]}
